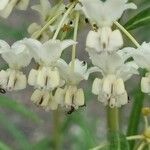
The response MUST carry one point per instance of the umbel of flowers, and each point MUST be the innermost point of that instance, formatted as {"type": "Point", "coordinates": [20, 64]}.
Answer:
{"type": "Point", "coordinates": [56, 82]}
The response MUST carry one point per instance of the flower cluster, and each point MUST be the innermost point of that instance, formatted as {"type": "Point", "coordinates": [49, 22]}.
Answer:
{"type": "Point", "coordinates": [56, 82]}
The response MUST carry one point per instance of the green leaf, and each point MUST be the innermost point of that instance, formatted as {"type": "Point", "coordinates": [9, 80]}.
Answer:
{"type": "Point", "coordinates": [43, 144]}
{"type": "Point", "coordinates": [8, 103]}
{"type": "Point", "coordinates": [7, 31]}
{"type": "Point", "coordinates": [15, 132]}
{"type": "Point", "coordinates": [141, 19]}
{"type": "Point", "coordinates": [135, 115]}
{"type": "Point", "coordinates": [4, 146]}
{"type": "Point", "coordinates": [117, 141]}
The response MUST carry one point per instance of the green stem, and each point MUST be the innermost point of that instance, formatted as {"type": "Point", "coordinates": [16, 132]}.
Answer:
{"type": "Point", "coordinates": [134, 41]}
{"type": "Point", "coordinates": [135, 115]}
{"type": "Point", "coordinates": [63, 20]}
{"type": "Point", "coordinates": [113, 119]}
{"type": "Point", "coordinates": [56, 130]}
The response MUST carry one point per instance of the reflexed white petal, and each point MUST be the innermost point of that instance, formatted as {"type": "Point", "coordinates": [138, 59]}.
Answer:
{"type": "Point", "coordinates": [80, 71]}
{"type": "Point", "coordinates": [36, 96]}
{"type": "Point", "coordinates": [46, 99]}
{"type": "Point", "coordinates": [93, 41]}
{"type": "Point", "coordinates": [17, 56]}
{"type": "Point", "coordinates": [97, 86]}
{"type": "Point", "coordinates": [69, 97]}
{"type": "Point", "coordinates": [60, 96]}
{"type": "Point", "coordinates": [107, 86]}
{"type": "Point", "coordinates": [48, 52]}
{"type": "Point", "coordinates": [53, 79]}
{"type": "Point", "coordinates": [119, 87]}
{"type": "Point", "coordinates": [67, 43]}
{"type": "Point", "coordinates": [127, 70]}
{"type": "Point", "coordinates": [105, 13]}
{"type": "Point", "coordinates": [20, 81]}
{"type": "Point", "coordinates": [145, 85]}
{"type": "Point", "coordinates": [3, 4]}
{"type": "Point", "coordinates": [32, 78]}
{"type": "Point", "coordinates": [41, 78]}
{"type": "Point", "coordinates": [115, 40]}
{"type": "Point", "coordinates": [142, 56]}
{"type": "Point", "coordinates": [79, 99]}
{"type": "Point", "coordinates": [122, 99]}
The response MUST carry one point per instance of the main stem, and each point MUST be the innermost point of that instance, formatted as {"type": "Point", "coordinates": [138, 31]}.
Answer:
{"type": "Point", "coordinates": [113, 119]}
{"type": "Point", "coordinates": [56, 130]}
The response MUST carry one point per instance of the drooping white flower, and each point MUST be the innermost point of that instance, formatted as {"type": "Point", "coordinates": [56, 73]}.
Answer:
{"type": "Point", "coordinates": [104, 40]}
{"type": "Point", "coordinates": [6, 6]}
{"type": "Point", "coordinates": [46, 55]}
{"type": "Point", "coordinates": [17, 56]}
{"type": "Point", "coordinates": [44, 99]}
{"type": "Point", "coordinates": [105, 13]}
{"type": "Point", "coordinates": [70, 96]}
{"type": "Point", "coordinates": [110, 89]}
{"type": "Point", "coordinates": [142, 59]}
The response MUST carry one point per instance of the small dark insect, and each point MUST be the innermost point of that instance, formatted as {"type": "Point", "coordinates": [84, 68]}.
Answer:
{"type": "Point", "coordinates": [71, 110]}
{"type": "Point", "coordinates": [86, 20]}
{"type": "Point", "coordinates": [2, 91]}
{"type": "Point", "coordinates": [84, 63]}
{"type": "Point", "coordinates": [66, 8]}
{"type": "Point", "coordinates": [71, 22]}
{"type": "Point", "coordinates": [41, 101]}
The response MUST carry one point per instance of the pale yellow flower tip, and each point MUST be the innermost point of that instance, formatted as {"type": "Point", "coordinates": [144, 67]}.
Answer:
{"type": "Point", "coordinates": [146, 111]}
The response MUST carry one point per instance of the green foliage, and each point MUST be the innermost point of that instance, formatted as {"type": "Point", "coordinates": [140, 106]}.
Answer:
{"type": "Point", "coordinates": [8, 103]}
{"type": "Point", "coordinates": [141, 19]}
{"type": "Point", "coordinates": [7, 31]}
{"type": "Point", "coordinates": [117, 141]}
{"type": "Point", "coordinates": [4, 146]}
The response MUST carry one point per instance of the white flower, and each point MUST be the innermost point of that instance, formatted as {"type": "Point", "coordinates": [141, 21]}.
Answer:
{"type": "Point", "coordinates": [75, 76]}
{"type": "Point", "coordinates": [6, 6]}
{"type": "Point", "coordinates": [105, 13]}
{"type": "Point", "coordinates": [12, 80]}
{"type": "Point", "coordinates": [142, 59]}
{"type": "Point", "coordinates": [104, 40]}
{"type": "Point", "coordinates": [46, 55]}
{"type": "Point", "coordinates": [115, 71]}
{"type": "Point", "coordinates": [70, 97]}
{"type": "Point", "coordinates": [142, 55]}
{"type": "Point", "coordinates": [44, 99]}
{"type": "Point", "coordinates": [17, 56]}
{"type": "Point", "coordinates": [44, 78]}
{"type": "Point", "coordinates": [110, 91]}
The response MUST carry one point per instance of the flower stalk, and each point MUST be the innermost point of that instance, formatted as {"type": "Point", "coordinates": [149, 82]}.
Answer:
{"type": "Point", "coordinates": [113, 119]}
{"type": "Point", "coordinates": [63, 19]}
{"type": "Point", "coordinates": [37, 34]}
{"type": "Point", "coordinates": [75, 39]}
{"type": "Point", "coordinates": [127, 34]}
